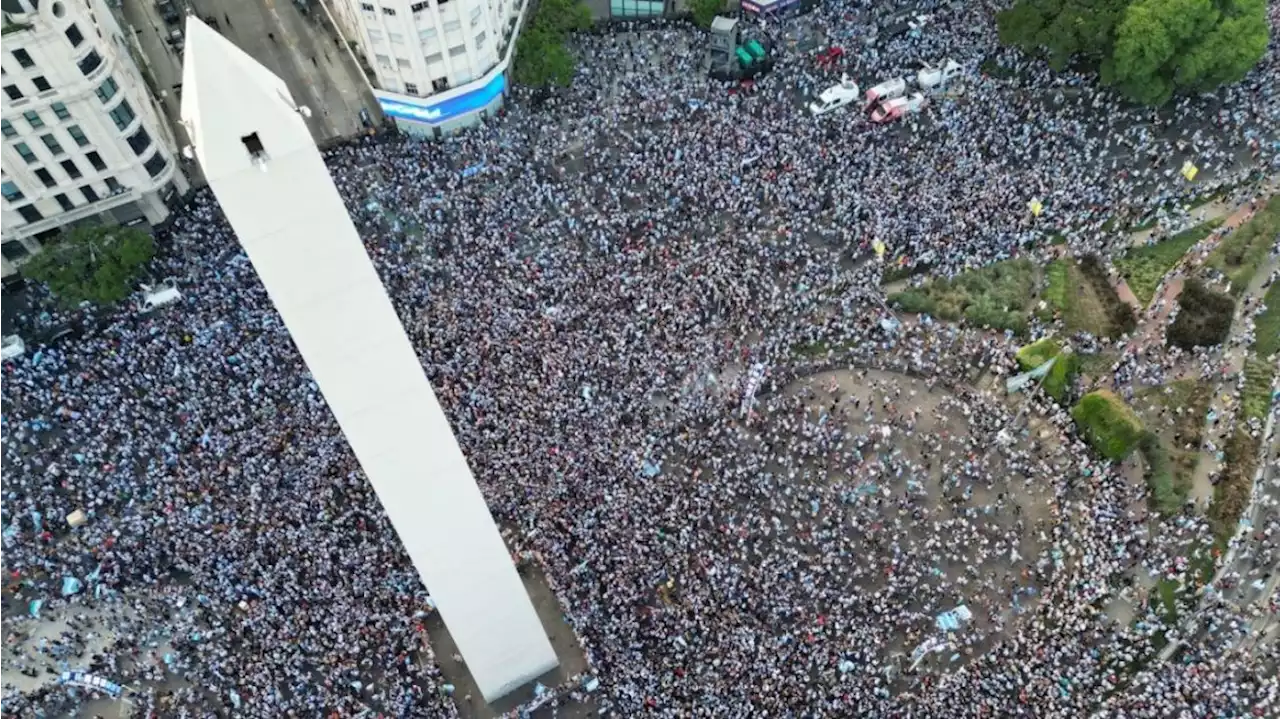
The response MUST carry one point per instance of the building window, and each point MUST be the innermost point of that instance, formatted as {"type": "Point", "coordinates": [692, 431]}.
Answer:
{"type": "Point", "coordinates": [426, 34]}
{"type": "Point", "coordinates": [11, 191]}
{"type": "Point", "coordinates": [78, 135]}
{"type": "Point", "coordinates": [74, 36]}
{"type": "Point", "coordinates": [65, 202]}
{"type": "Point", "coordinates": [475, 17]}
{"type": "Point", "coordinates": [156, 164]}
{"type": "Point", "coordinates": [375, 36]}
{"type": "Point", "coordinates": [417, 7]}
{"type": "Point", "coordinates": [89, 63]}
{"type": "Point", "coordinates": [113, 186]}
{"type": "Point", "coordinates": [90, 194]}
{"type": "Point", "coordinates": [434, 57]}
{"type": "Point", "coordinates": [383, 60]}
{"type": "Point", "coordinates": [42, 85]}
{"type": "Point", "coordinates": [388, 12]}
{"type": "Point", "coordinates": [367, 7]}
{"type": "Point", "coordinates": [24, 59]}
{"type": "Point", "coordinates": [122, 115]}
{"type": "Point", "coordinates": [14, 250]}
{"type": "Point", "coordinates": [72, 171]}
{"type": "Point", "coordinates": [140, 141]}
{"type": "Point", "coordinates": [61, 111]}
{"type": "Point", "coordinates": [45, 177]}
{"type": "Point", "coordinates": [107, 89]}
{"type": "Point", "coordinates": [25, 152]}
{"type": "Point", "coordinates": [456, 51]}
{"type": "Point", "coordinates": [410, 89]}
{"type": "Point", "coordinates": [451, 25]}
{"type": "Point", "coordinates": [13, 92]}
{"type": "Point", "coordinates": [51, 142]}
{"type": "Point", "coordinates": [480, 40]}
{"type": "Point", "coordinates": [30, 214]}
{"type": "Point", "coordinates": [7, 128]}
{"type": "Point", "coordinates": [440, 84]}
{"type": "Point", "coordinates": [403, 63]}
{"type": "Point", "coordinates": [96, 160]}
{"type": "Point", "coordinates": [33, 119]}
{"type": "Point", "coordinates": [396, 38]}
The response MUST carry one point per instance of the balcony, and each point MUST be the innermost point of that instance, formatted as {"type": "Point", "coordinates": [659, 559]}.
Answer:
{"type": "Point", "coordinates": [13, 26]}
{"type": "Point", "coordinates": [102, 204]}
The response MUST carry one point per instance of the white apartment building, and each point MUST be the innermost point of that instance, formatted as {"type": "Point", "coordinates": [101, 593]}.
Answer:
{"type": "Point", "coordinates": [83, 139]}
{"type": "Point", "coordinates": [439, 64]}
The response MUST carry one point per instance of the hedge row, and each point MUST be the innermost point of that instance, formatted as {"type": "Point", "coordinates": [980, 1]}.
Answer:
{"type": "Point", "coordinates": [1108, 424]}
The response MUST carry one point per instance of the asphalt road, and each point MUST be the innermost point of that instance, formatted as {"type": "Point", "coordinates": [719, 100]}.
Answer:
{"type": "Point", "coordinates": [304, 51]}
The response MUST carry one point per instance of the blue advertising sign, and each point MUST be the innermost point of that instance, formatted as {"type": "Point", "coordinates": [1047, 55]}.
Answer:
{"type": "Point", "coordinates": [439, 111]}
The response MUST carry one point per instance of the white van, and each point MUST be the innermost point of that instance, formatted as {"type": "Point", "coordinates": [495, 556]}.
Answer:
{"type": "Point", "coordinates": [12, 347]}
{"type": "Point", "coordinates": [160, 296]}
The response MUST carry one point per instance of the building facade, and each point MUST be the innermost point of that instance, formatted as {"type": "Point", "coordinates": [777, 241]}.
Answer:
{"type": "Point", "coordinates": [83, 140]}
{"type": "Point", "coordinates": [439, 64]}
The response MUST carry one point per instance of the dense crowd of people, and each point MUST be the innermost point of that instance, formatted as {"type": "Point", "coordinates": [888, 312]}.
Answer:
{"type": "Point", "coordinates": [590, 281]}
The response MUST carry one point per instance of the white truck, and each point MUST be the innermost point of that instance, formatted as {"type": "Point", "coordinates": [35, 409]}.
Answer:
{"type": "Point", "coordinates": [894, 109]}
{"type": "Point", "coordinates": [836, 97]}
{"type": "Point", "coordinates": [932, 79]}
{"type": "Point", "coordinates": [886, 90]}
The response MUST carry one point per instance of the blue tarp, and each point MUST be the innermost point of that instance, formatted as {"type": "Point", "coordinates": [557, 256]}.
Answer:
{"type": "Point", "coordinates": [70, 585]}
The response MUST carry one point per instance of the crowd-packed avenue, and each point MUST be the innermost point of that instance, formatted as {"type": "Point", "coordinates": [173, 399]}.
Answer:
{"type": "Point", "coordinates": [598, 284]}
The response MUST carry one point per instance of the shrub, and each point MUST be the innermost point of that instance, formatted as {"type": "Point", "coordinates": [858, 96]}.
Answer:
{"type": "Point", "coordinates": [914, 301]}
{"type": "Point", "coordinates": [1108, 424]}
{"type": "Point", "coordinates": [1231, 495]}
{"type": "Point", "coordinates": [1037, 353]}
{"type": "Point", "coordinates": [1267, 324]}
{"type": "Point", "coordinates": [1204, 317]}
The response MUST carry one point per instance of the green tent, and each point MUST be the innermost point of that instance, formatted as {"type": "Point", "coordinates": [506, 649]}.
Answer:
{"type": "Point", "coordinates": [756, 49]}
{"type": "Point", "coordinates": [744, 57]}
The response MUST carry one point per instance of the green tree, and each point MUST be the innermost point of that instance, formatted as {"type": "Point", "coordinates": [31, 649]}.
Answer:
{"type": "Point", "coordinates": [704, 11]}
{"type": "Point", "coordinates": [542, 60]}
{"type": "Point", "coordinates": [1149, 49]}
{"type": "Point", "coordinates": [98, 264]}
{"type": "Point", "coordinates": [1061, 29]}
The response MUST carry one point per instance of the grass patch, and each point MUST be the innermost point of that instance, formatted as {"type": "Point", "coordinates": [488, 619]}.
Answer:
{"type": "Point", "coordinates": [1242, 252]}
{"type": "Point", "coordinates": [1167, 489]}
{"type": "Point", "coordinates": [1096, 364]}
{"type": "Point", "coordinates": [1267, 324]}
{"type": "Point", "coordinates": [1255, 398]}
{"type": "Point", "coordinates": [1093, 290]}
{"type": "Point", "coordinates": [1108, 424]}
{"type": "Point", "coordinates": [993, 296]}
{"type": "Point", "coordinates": [1055, 292]}
{"type": "Point", "coordinates": [1037, 353]}
{"type": "Point", "coordinates": [1144, 267]}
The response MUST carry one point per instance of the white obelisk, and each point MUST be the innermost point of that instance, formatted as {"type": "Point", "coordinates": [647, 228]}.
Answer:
{"type": "Point", "coordinates": [253, 144]}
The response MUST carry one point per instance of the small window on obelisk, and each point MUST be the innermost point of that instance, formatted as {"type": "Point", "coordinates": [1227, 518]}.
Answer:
{"type": "Point", "coordinates": [254, 146]}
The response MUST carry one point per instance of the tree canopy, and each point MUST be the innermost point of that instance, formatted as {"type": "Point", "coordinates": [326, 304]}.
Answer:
{"type": "Point", "coordinates": [97, 264]}
{"type": "Point", "coordinates": [1149, 49]}
{"type": "Point", "coordinates": [704, 11]}
{"type": "Point", "coordinates": [542, 60]}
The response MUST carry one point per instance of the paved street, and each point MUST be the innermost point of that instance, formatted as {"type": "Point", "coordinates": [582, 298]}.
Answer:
{"type": "Point", "coordinates": [301, 48]}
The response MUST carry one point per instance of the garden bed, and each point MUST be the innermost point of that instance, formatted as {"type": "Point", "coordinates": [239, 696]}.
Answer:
{"type": "Point", "coordinates": [994, 296]}
{"type": "Point", "coordinates": [1242, 252]}
{"type": "Point", "coordinates": [1144, 267]}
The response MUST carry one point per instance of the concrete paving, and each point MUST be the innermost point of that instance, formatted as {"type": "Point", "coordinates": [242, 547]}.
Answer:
{"type": "Point", "coordinates": [305, 51]}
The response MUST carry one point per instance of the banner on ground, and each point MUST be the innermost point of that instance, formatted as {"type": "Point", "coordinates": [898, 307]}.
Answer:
{"type": "Point", "coordinates": [91, 681]}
